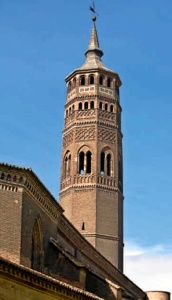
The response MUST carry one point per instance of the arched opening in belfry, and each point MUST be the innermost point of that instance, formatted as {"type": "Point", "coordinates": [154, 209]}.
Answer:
{"type": "Point", "coordinates": [88, 162]}
{"type": "Point", "coordinates": [86, 105]}
{"type": "Point", "coordinates": [82, 80]}
{"type": "Point", "coordinates": [109, 82]}
{"type": "Point", "coordinates": [100, 105]}
{"type": "Point", "coordinates": [106, 106]}
{"type": "Point", "coordinates": [108, 164]}
{"type": "Point", "coordinates": [101, 80]}
{"type": "Point", "coordinates": [36, 250]}
{"type": "Point", "coordinates": [69, 86]}
{"type": "Point", "coordinates": [80, 106]}
{"type": "Point", "coordinates": [92, 105]}
{"type": "Point", "coordinates": [91, 79]}
{"type": "Point", "coordinates": [102, 163]}
{"type": "Point", "coordinates": [74, 83]}
{"type": "Point", "coordinates": [81, 162]}
{"type": "Point", "coordinates": [111, 108]}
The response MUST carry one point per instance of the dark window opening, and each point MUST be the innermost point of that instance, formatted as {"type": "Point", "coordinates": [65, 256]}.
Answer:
{"type": "Point", "coordinates": [109, 81]}
{"type": "Point", "coordinates": [66, 113]}
{"type": "Point", "coordinates": [117, 89]}
{"type": "Point", "coordinates": [81, 163]}
{"type": "Point", "coordinates": [106, 106]}
{"type": "Point", "coordinates": [69, 111]}
{"type": "Point", "coordinates": [82, 80]}
{"type": "Point", "coordinates": [83, 226]}
{"type": "Point", "coordinates": [101, 80]}
{"type": "Point", "coordinates": [88, 167]}
{"type": "Point", "coordinates": [92, 104]}
{"type": "Point", "coordinates": [111, 108]}
{"type": "Point", "coordinates": [108, 164]}
{"type": "Point", "coordinates": [100, 105]}
{"type": "Point", "coordinates": [80, 106]}
{"type": "Point", "coordinates": [74, 82]}
{"type": "Point", "coordinates": [86, 105]}
{"type": "Point", "coordinates": [73, 108]}
{"type": "Point", "coordinates": [91, 79]}
{"type": "Point", "coordinates": [102, 163]}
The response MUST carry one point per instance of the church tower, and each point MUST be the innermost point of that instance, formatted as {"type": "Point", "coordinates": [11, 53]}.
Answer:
{"type": "Point", "coordinates": [91, 191]}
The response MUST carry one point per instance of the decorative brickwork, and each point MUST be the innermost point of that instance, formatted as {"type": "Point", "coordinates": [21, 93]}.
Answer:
{"type": "Point", "coordinates": [106, 135]}
{"type": "Point", "coordinates": [85, 133]}
{"type": "Point", "coordinates": [67, 139]}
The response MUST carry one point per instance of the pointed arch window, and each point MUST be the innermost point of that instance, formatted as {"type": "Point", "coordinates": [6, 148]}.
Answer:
{"type": "Point", "coordinates": [81, 162]}
{"type": "Point", "coordinates": [82, 80]}
{"type": "Point", "coordinates": [84, 161]}
{"type": "Point", "coordinates": [67, 165]}
{"type": "Point", "coordinates": [36, 251]}
{"type": "Point", "coordinates": [102, 163]}
{"type": "Point", "coordinates": [108, 164]}
{"type": "Point", "coordinates": [88, 162]}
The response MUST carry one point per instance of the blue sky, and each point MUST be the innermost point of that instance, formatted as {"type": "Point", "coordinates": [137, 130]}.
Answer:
{"type": "Point", "coordinates": [41, 42]}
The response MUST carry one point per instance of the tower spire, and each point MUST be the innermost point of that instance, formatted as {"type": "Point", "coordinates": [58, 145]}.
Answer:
{"type": "Point", "coordinates": [94, 50]}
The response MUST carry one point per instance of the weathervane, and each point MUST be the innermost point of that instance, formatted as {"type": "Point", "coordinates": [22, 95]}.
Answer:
{"type": "Point", "coordinates": [92, 8]}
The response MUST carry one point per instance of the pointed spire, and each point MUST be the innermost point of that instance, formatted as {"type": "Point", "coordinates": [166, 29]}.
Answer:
{"type": "Point", "coordinates": [93, 47]}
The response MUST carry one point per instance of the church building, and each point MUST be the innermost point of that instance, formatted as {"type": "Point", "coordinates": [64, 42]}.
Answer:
{"type": "Point", "coordinates": [72, 249]}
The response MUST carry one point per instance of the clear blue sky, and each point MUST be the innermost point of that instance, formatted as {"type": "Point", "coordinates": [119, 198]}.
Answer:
{"type": "Point", "coordinates": [41, 42]}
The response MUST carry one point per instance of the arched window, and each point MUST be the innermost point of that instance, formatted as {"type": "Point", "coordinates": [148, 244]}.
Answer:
{"type": "Point", "coordinates": [69, 111]}
{"type": "Point", "coordinates": [91, 79]}
{"type": "Point", "coordinates": [86, 105]}
{"type": "Point", "coordinates": [88, 162]}
{"type": "Point", "coordinates": [108, 164]}
{"type": "Point", "coordinates": [109, 82]}
{"type": "Point", "coordinates": [100, 105]}
{"type": "Point", "coordinates": [80, 106]}
{"type": "Point", "coordinates": [111, 108]}
{"type": "Point", "coordinates": [102, 163]}
{"type": "Point", "coordinates": [92, 104]}
{"type": "Point", "coordinates": [81, 162]}
{"type": "Point", "coordinates": [67, 165]}
{"type": "Point", "coordinates": [74, 82]}
{"type": "Point", "coordinates": [66, 113]}
{"type": "Point", "coordinates": [36, 251]}
{"type": "Point", "coordinates": [106, 106]}
{"type": "Point", "coordinates": [69, 86]}
{"type": "Point", "coordinates": [73, 108]}
{"type": "Point", "coordinates": [82, 80]}
{"type": "Point", "coordinates": [101, 80]}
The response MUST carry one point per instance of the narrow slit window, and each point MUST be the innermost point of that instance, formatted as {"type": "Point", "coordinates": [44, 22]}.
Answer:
{"type": "Point", "coordinates": [81, 163]}
{"type": "Point", "coordinates": [100, 105]}
{"type": "Point", "coordinates": [102, 163]}
{"type": "Point", "coordinates": [88, 167]}
{"type": "Point", "coordinates": [108, 164]}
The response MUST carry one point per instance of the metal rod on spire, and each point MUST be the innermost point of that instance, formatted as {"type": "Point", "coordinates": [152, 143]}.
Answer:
{"type": "Point", "coordinates": [92, 8]}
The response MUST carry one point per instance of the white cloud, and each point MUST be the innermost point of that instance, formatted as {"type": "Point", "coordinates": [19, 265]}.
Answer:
{"type": "Point", "coordinates": [149, 267]}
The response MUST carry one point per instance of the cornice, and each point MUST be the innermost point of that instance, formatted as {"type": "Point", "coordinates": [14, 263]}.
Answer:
{"type": "Point", "coordinates": [40, 281]}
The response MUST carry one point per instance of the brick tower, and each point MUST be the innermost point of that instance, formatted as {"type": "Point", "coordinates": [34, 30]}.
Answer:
{"type": "Point", "coordinates": [91, 170]}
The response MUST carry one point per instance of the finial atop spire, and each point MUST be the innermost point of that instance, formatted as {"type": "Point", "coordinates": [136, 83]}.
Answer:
{"type": "Point", "coordinates": [93, 47]}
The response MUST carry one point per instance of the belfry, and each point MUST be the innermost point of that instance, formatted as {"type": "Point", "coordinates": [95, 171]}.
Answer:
{"type": "Point", "coordinates": [91, 190]}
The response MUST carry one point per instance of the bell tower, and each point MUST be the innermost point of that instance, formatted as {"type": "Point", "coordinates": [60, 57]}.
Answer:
{"type": "Point", "coordinates": [91, 190]}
